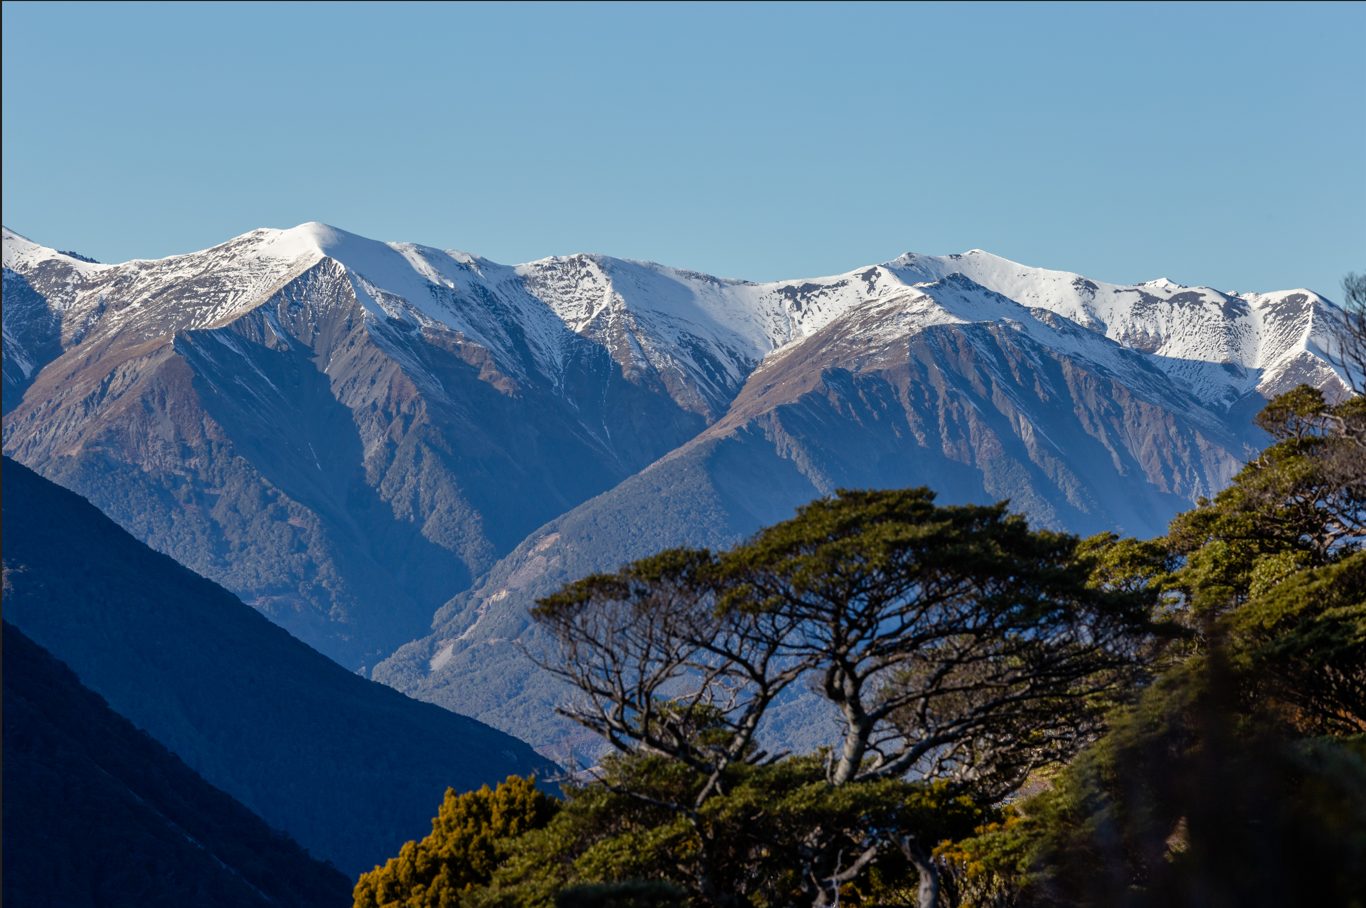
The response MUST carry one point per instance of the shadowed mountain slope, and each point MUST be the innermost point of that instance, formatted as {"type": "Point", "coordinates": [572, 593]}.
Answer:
{"type": "Point", "coordinates": [349, 768]}
{"type": "Point", "coordinates": [97, 813]}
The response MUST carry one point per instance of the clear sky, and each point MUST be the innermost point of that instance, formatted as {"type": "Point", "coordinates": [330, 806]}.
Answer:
{"type": "Point", "coordinates": [1221, 144]}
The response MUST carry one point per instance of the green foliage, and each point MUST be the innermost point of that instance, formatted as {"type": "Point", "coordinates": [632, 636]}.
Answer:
{"type": "Point", "coordinates": [987, 869]}
{"type": "Point", "coordinates": [1240, 776]}
{"type": "Point", "coordinates": [1302, 502]}
{"type": "Point", "coordinates": [462, 850]}
{"type": "Point", "coordinates": [631, 894]}
{"type": "Point", "coordinates": [1298, 647]}
{"type": "Point", "coordinates": [548, 860]}
{"type": "Point", "coordinates": [747, 846]}
{"type": "Point", "coordinates": [1131, 566]}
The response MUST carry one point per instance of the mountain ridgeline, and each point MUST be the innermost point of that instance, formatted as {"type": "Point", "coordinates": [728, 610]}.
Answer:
{"type": "Point", "coordinates": [354, 436]}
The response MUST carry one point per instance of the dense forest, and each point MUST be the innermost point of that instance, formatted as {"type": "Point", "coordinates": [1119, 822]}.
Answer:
{"type": "Point", "coordinates": [1017, 716]}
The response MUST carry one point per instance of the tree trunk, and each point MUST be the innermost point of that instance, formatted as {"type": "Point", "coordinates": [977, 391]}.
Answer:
{"type": "Point", "coordinates": [928, 891]}
{"type": "Point", "coordinates": [857, 730]}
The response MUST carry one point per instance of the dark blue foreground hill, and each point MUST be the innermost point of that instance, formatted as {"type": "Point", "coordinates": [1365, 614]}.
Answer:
{"type": "Point", "coordinates": [97, 813]}
{"type": "Point", "coordinates": [349, 768]}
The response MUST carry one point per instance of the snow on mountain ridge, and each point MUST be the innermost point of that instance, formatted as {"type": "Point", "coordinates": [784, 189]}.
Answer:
{"type": "Point", "coordinates": [1221, 346]}
{"type": "Point", "coordinates": [701, 335]}
{"type": "Point", "coordinates": [20, 253]}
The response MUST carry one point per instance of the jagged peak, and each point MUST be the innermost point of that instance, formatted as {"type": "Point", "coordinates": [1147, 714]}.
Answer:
{"type": "Point", "coordinates": [319, 238]}
{"type": "Point", "coordinates": [678, 307]}
{"type": "Point", "coordinates": [1162, 283]}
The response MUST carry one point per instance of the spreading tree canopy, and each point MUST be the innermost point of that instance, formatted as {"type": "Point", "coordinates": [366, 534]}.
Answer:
{"type": "Point", "coordinates": [957, 647]}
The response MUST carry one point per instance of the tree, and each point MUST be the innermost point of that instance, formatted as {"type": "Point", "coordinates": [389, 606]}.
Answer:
{"type": "Point", "coordinates": [1188, 800]}
{"type": "Point", "coordinates": [461, 851]}
{"type": "Point", "coordinates": [753, 843]}
{"type": "Point", "coordinates": [957, 646]}
{"type": "Point", "coordinates": [1239, 778]}
{"type": "Point", "coordinates": [1300, 503]}
{"type": "Point", "coordinates": [1351, 354]}
{"type": "Point", "coordinates": [1275, 571]}
{"type": "Point", "coordinates": [1299, 649]}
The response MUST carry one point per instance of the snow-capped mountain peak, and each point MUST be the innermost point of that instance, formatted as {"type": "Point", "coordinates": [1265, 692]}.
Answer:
{"type": "Point", "coordinates": [1221, 346]}
{"type": "Point", "coordinates": [699, 334]}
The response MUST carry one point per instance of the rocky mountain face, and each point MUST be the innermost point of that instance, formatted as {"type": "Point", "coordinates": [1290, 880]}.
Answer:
{"type": "Point", "coordinates": [341, 457]}
{"type": "Point", "coordinates": [348, 768]}
{"type": "Point", "coordinates": [353, 435]}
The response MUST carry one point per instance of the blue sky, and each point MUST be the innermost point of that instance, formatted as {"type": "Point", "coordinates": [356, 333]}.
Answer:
{"type": "Point", "coordinates": [1221, 144]}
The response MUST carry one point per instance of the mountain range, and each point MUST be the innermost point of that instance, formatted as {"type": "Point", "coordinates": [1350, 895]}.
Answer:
{"type": "Point", "coordinates": [391, 449]}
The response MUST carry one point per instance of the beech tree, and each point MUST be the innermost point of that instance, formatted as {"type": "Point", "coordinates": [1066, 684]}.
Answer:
{"type": "Point", "coordinates": [771, 839]}
{"type": "Point", "coordinates": [1239, 778]}
{"type": "Point", "coordinates": [462, 850]}
{"type": "Point", "coordinates": [1300, 503]}
{"type": "Point", "coordinates": [956, 645]}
